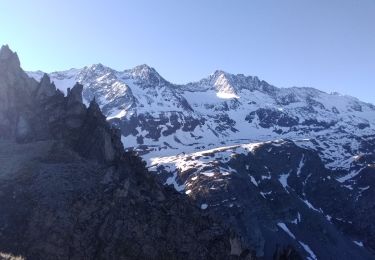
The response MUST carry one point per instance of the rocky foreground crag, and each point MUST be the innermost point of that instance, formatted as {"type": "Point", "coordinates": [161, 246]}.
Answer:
{"type": "Point", "coordinates": [68, 190]}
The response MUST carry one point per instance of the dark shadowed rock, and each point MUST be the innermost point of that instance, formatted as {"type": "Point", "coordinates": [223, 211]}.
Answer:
{"type": "Point", "coordinates": [75, 94]}
{"type": "Point", "coordinates": [279, 198]}
{"type": "Point", "coordinates": [68, 190]}
{"type": "Point", "coordinates": [97, 140]}
{"type": "Point", "coordinates": [45, 88]}
{"type": "Point", "coordinates": [11, 58]}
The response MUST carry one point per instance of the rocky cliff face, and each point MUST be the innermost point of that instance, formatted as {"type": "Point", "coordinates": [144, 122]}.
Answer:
{"type": "Point", "coordinates": [276, 193]}
{"type": "Point", "coordinates": [15, 90]}
{"type": "Point", "coordinates": [38, 111]}
{"type": "Point", "coordinates": [68, 190]}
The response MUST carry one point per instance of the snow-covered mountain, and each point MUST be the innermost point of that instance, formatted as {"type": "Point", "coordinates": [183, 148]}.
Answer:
{"type": "Point", "coordinates": [159, 117]}
{"type": "Point", "coordinates": [294, 161]}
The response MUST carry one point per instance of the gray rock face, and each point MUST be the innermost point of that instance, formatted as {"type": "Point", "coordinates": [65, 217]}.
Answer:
{"type": "Point", "coordinates": [61, 206]}
{"type": "Point", "coordinates": [276, 194]}
{"type": "Point", "coordinates": [15, 90]}
{"type": "Point", "coordinates": [97, 140]}
{"type": "Point", "coordinates": [9, 57]}
{"type": "Point", "coordinates": [68, 190]}
{"type": "Point", "coordinates": [41, 113]}
{"type": "Point", "coordinates": [23, 129]}
{"type": "Point", "coordinates": [75, 94]}
{"type": "Point", "coordinates": [45, 88]}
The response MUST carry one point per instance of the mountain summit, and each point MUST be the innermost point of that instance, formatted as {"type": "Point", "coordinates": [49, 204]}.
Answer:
{"type": "Point", "coordinates": [11, 58]}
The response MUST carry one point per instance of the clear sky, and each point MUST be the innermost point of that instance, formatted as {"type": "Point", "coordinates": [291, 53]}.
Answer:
{"type": "Point", "coordinates": [326, 44]}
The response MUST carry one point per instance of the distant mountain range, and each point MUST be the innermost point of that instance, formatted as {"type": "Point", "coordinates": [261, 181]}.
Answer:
{"type": "Point", "coordinates": [280, 165]}
{"type": "Point", "coordinates": [222, 109]}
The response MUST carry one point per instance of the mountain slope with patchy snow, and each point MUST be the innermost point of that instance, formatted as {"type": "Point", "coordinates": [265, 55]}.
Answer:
{"type": "Point", "coordinates": [277, 164]}
{"type": "Point", "coordinates": [157, 116]}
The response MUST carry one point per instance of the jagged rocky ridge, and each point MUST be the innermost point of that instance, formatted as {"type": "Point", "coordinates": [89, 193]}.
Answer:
{"type": "Point", "coordinates": [68, 190]}
{"type": "Point", "coordinates": [314, 192]}
{"type": "Point", "coordinates": [156, 116]}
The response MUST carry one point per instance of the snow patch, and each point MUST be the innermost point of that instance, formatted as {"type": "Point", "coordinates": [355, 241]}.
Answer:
{"type": "Point", "coordinates": [285, 228]}
{"type": "Point", "coordinates": [224, 95]}
{"type": "Point", "coordinates": [204, 206]}
{"type": "Point", "coordinates": [308, 250]}
{"type": "Point", "coordinates": [253, 181]}
{"type": "Point", "coordinates": [310, 205]}
{"type": "Point", "coordinates": [172, 181]}
{"type": "Point", "coordinates": [283, 179]}
{"type": "Point", "coordinates": [349, 176]}
{"type": "Point", "coordinates": [301, 164]}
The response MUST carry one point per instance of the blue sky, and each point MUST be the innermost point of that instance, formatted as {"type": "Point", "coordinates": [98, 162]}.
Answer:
{"type": "Point", "coordinates": [326, 44]}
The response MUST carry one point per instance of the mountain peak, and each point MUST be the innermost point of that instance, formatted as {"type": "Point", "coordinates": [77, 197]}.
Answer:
{"type": "Point", "coordinates": [143, 70]}
{"type": "Point", "coordinates": [8, 57]}
{"type": "Point", "coordinates": [5, 52]}
{"type": "Point", "coordinates": [92, 71]}
{"type": "Point", "coordinates": [97, 67]}
{"type": "Point", "coordinates": [45, 79]}
{"type": "Point", "coordinates": [143, 67]}
{"type": "Point", "coordinates": [146, 74]}
{"type": "Point", "coordinates": [224, 85]}
{"type": "Point", "coordinates": [218, 73]}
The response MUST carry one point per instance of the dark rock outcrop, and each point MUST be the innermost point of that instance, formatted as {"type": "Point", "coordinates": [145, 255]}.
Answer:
{"type": "Point", "coordinates": [282, 200]}
{"type": "Point", "coordinates": [68, 190]}
{"type": "Point", "coordinates": [15, 91]}
{"type": "Point", "coordinates": [271, 117]}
